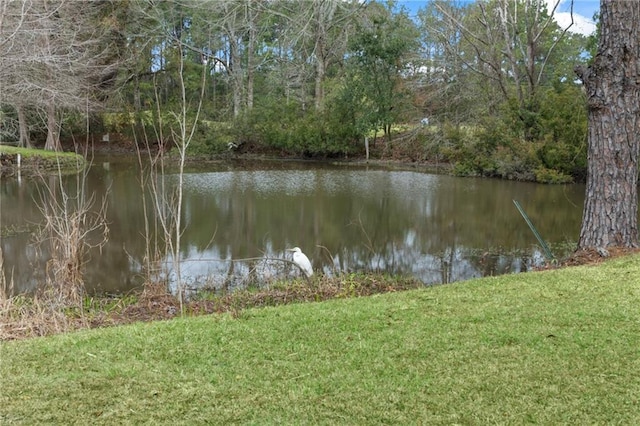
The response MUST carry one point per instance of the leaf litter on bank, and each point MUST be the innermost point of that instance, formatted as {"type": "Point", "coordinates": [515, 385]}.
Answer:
{"type": "Point", "coordinates": [22, 317]}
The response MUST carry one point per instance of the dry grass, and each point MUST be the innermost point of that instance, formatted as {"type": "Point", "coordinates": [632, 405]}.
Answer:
{"type": "Point", "coordinates": [70, 224]}
{"type": "Point", "coordinates": [25, 317]}
{"type": "Point", "coordinates": [22, 316]}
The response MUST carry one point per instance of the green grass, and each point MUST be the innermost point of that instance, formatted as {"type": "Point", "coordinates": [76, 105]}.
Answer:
{"type": "Point", "coordinates": [39, 160]}
{"type": "Point", "coordinates": [32, 152]}
{"type": "Point", "coordinates": [553, 347]}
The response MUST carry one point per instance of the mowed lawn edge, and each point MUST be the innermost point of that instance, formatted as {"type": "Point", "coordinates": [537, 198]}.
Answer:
{"type": "Point", "coordinates": [551, 347]}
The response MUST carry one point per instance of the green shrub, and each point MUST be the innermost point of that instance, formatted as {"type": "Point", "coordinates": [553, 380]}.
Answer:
{"type": "Point", "coordinates": [289, 129]}
{"type": "Point", "coordinates": [564, 157]}
{"type": "Point", "coordinates": [544, 175]}
{"type": "Point", "coordinates": [211, 137]}
{"type": "Point", "coordinates": [514, 163]}
{"type": "Point", "coordinates": [564, 118]}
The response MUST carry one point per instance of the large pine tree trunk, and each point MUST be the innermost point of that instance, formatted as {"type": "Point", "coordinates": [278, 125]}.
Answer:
{"type": "Point", "coordinates": [610, 216]}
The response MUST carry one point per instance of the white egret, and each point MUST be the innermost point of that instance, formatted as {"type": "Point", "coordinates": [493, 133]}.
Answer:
{"type": "Point", "coordinates": [300, 259]}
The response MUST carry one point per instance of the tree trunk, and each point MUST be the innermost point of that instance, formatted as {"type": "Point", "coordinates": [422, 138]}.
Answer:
{"type": "Point", "coordinates": [236, 75]}
{"type": "Point", "coordinates": [319, 89]}
{"type": "Point", "coordinates": [610, 216]}
{"type": "Point", "coordinates": [137, 107]}
{"type": "Point", "coordinates": [53, 140]}
{"type": "Point", "coordinates": [25, 140]}
{"type": "Point", "coordinates": [251, 47]}
{"type": "Point", "coordinates": [323, 12]}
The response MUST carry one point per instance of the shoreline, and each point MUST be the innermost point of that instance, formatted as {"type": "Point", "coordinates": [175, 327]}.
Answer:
{"type": "Point", "coordinates": [25, 162]}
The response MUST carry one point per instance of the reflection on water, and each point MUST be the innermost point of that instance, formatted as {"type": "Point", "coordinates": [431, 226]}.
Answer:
{"type": "Point", "coordinates": [239, 219]}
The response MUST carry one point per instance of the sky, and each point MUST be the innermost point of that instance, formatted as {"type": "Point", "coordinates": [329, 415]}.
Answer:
{"type": "Point", "coordinates": [583, 11]}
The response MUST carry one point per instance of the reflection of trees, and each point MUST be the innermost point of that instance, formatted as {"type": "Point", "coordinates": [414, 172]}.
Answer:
{"type": "Point", "coordinates": [435, 227]}
{"type": "Point", "coordinates": [359, 231]}
{"type": "Point", "coordinates": [24, 265]}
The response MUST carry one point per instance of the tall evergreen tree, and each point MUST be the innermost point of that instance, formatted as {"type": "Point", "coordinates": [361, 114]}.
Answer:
{"type": "Point", "coordinates": [612, 83]}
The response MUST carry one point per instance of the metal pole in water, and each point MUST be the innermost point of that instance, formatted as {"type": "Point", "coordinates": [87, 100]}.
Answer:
{"type": "Point", "coordinates": [543, 244]}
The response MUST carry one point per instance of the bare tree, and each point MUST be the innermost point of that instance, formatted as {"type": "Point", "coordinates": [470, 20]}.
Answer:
{"type": "Point", "coordinates": [233, 26]}
{"type": "Point", "coordinates": [12, 16]}
{"type": "Point", "coordinates": [320, 33]}
{"type": "Point", "coordinates": [176, 128]}
{"type": "Point", "coordinates": [323, 12]}
{"type": "Point", "coordinates": [58, 56]}
{"type": "Point", "coordinates": [612, 84]}
{"type": "Point", "coordinates": [237, 26]}
{"type": "Point", "coordinates": [512, 43]}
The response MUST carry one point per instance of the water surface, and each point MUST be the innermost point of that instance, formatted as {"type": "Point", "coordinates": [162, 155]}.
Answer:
{"type": "Point", "coordinates": [240, 217]}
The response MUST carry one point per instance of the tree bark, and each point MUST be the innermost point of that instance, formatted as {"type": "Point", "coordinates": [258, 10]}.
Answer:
{"type": "Point", "coordinates": [323, 12]}
{"type": "Point", "coordinates": [252, 20]}
{"type": "Point", "coordinates": [236, 72]}
{"type": "Point", "coordinates": [610, 215]}
{"type": "Point", "coordinates": [25, 140]}
{"type": "Point", "coordinates": [53, 140]}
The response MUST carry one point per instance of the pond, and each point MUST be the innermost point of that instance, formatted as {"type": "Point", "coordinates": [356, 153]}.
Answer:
{"type": "Point", "coordinates": [239, 217]}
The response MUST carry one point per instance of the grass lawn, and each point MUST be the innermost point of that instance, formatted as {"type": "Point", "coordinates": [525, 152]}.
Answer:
{"type": "Point", "coordinates": [553, 347]}
{"type": "Point", "coordinates": [39, 160]}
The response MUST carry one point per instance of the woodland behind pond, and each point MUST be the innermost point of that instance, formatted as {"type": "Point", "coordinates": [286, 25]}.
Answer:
{"type": "Point", "coordinates": [486, 86]}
